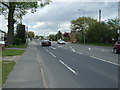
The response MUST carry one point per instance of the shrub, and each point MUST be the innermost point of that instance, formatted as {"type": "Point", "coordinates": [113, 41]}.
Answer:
{"type": "Point", "coordinates": [17, 41]}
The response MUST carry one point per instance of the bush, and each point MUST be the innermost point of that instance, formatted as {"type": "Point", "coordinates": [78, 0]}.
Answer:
{"type": "Point", "coordinates": [17, 41]}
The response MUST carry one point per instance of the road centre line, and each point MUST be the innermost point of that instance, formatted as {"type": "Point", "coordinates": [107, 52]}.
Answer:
{"type": "Point", "coordinates": [89, 49]}
{"type": "Point", "coordinates": [68, 67]}
{"type": "Point", "coordinates": [52, 54]}
{"type": "Point", "coordinates": [80, 53]}
{"type": "Point", "coordinates": [53, 48]}
{"type": "Point", "coordinates": [46, 50]}
{"type": "Point", "coordinates": [105, 60]}
{"type": "Point", "coordinates": [72, 49]}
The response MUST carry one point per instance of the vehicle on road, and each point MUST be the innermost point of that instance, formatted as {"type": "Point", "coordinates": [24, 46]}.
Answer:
{"type": "Point", "coordinates": [61, 42]}
{"type": "Point", "coordinates": [46, 43]}
{"type": "Point", "coordinates": [116, 48]}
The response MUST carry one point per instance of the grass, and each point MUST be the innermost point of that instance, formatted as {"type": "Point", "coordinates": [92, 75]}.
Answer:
{"type": "Point", "coordinates": [18, 46]}
{"type": "Point", "coordinates": [5, 68]}
{"type": "Point", "coordinates": [11, 52]}
{"type": "Point", "coordinates": [97, 44]}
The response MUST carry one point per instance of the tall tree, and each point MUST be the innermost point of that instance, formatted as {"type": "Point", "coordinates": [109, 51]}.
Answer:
{"type": "Point", "coordinates": [31, 35]}
{"type": "Point", "coordinates": [13, 10]}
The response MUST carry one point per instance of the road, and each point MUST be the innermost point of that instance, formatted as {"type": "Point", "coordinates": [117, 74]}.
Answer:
{"type": "Point", "coordinates": [78, 66]}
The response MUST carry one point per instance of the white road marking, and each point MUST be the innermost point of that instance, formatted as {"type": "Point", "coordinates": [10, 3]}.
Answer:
{"type": "Point", "coordinates": [52, 55]}
{"type": "Point", "coordinates": [46, 50]}
{"type": "Point", "coordinates": [104, 50]}
{"type": "Point", "coordinates": [68, 67]}
{"type": "Point", "coordinates": [80, 53]}
{"type": "Point", "coordinates": [72, 49]}
{"type": "Point", "coordinates": [105, 60]}
{"type": "Point", "coordinates": [53, 48]}
{"type": "Point", "coordinates": [89, 49]}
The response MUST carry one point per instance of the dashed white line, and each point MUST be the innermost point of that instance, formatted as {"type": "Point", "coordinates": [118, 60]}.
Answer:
{"type": "Point", "coordinates": [104, 50]}
{"type": "Point", "coordinates": [80, 53]}
{"type": "Point", "coordinates": [52, 55]}
{"type": "Point", "coordinates": [68, 67]}
{"type": "Point", "coordinates": [46, 50]}
{"type": "Point", "coordinates": [53, 48]}
{"type": "Point", "coordinates": [72, 49]}
{"type": "Point", "coordinates": [89, 49]}
{"type": "Point", "coordinates": [105, 60]}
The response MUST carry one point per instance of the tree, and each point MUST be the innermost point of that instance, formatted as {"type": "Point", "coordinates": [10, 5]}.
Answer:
{"type": "Point", "coordinates": [53, 37]}
{"type": "Point", "coordinates": [80, 26]}
{"type": "Point", "coordinates": [31, 35]}
{"type": "Point", "coordinates": [13, 10]}
{"type": "Point", "coordinates": [66, 36]}
{"type": "Point", "coordinates": [21, 33]}
{"type": "Point", "coordinates": [113, 25]}
{"type": "Point", "coordinates": [59, 35]}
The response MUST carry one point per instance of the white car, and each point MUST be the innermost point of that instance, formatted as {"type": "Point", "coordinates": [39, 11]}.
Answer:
{"type": "Point", "coordinates": [61, 42]}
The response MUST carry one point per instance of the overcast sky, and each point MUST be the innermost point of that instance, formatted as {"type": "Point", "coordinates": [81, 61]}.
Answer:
{"type": "Point", "coordinates": [57, 15]}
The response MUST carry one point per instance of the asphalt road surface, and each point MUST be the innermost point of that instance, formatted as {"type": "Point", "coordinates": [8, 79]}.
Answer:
{"type": "Point", "coordinates": [78, 66]}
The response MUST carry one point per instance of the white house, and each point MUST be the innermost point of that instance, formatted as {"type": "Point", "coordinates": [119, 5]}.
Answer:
{"type": "Point", "coordinates": [2, 35]}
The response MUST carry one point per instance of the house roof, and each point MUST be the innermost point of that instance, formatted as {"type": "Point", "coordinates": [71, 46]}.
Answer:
{"type": "Point", "coordinates": [2, 31]}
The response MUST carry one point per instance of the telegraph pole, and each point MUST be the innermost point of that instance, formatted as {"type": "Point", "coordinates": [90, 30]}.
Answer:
{"type": "Point", "coordinates": [119, 19]}
{"type": "Point", "coordinates": [99, 15]}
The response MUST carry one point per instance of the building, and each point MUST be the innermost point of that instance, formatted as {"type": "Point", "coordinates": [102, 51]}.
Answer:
{"type": "Point", "coordinates": [2, 35]}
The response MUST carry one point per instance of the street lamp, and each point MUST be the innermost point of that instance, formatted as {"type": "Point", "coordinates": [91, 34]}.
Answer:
{"type": "Point", "coordinates": [84, 22]}
{"type": "Point", "coordinates": [118, 31]}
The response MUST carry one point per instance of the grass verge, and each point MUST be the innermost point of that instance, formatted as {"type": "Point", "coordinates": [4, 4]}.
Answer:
{"type": "Point", "coordinates": [18, 46]}
{"type": "Point", "coordinates": [11, 52]}
{"type": "Point", "coordinates": [5, 68]}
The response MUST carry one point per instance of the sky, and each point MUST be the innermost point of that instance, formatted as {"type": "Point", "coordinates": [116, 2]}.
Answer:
{"type": "Point", "coordinates": [57, 15]}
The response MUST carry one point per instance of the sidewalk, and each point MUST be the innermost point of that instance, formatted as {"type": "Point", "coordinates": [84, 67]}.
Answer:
{"type": "Point", "coordinates": [26, 73]}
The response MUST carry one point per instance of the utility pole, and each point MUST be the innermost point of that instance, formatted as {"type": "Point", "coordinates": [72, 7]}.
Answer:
{"type": "Point", "coordinates": [119, 19]}
{"type": "Point", "coordinates": [84, 24]}
{"type": "Point", "coordinates": [99, 15]}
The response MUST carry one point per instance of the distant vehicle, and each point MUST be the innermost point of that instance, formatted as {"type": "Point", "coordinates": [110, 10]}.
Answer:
{"type": "Point", "coordinates": [46, 43]}
{"type": "Point", "coordinates": [61, 42]}
{"type": "Point", "coordinates": [116, 48]}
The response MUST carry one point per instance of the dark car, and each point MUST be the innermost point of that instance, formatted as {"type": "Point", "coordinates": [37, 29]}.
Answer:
{"type": "Point", "coordinates": [46, 43]}
{"type": "Point", "coordinates": [116, 48]}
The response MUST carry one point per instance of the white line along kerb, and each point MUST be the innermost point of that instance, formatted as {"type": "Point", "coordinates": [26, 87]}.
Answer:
{"type": "Point", "coordinates": [68, 67]}
{"type": "Point", "coordinates": [105, 60]}
{"type": "Point", "coordinates": [52, 55]}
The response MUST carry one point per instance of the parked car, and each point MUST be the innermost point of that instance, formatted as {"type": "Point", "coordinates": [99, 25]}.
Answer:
{"type": "Point", "coordinates": [61, 42]}
{"type": "Point", "coordinates": [116, 48]}
{"type": "Point", "coordinates": [46, 43]}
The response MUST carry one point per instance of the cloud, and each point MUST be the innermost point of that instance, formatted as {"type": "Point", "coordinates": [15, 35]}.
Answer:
{"type": "Point", "coordinates": [3, 23]}
{"type": "Point", "coordinates": [57, 15]}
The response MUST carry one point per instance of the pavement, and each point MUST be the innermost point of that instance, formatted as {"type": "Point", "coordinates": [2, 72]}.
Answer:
{"type": "Point", "coordinates": [65, 66]}
{"type": "Point", "coordinates": [26, 73]}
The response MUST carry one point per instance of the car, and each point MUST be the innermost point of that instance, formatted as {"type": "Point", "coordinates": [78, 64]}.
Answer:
{"type": "Point", "coordinates": [46, 43]}
{"type": "Point", "coordinates": [116, 48]}
{"type": "Point", "coordinates": [61, 42]}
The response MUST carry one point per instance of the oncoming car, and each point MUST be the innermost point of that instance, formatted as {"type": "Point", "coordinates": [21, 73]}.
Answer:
{"type": "Point", "coordinates": [61, 42]}
{"type": "Point", "coordinates": [46, 43]}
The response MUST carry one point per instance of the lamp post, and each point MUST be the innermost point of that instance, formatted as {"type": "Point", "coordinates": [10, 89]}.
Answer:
{"type": "Point", "coordinates": [84, 23]}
